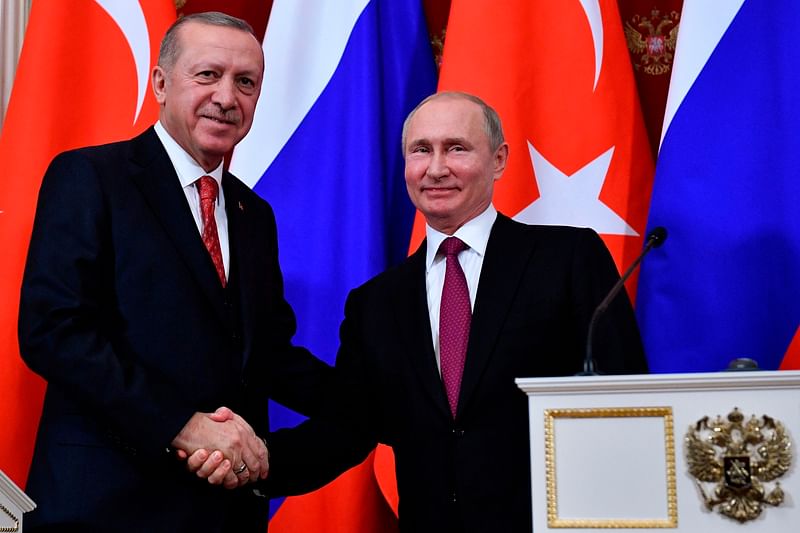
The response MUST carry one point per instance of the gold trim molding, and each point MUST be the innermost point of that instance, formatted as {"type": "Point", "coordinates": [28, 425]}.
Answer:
{"type": "Point", "coordinates": [554, 521]}
{"type": "Point", "coordinates": [13, 518]}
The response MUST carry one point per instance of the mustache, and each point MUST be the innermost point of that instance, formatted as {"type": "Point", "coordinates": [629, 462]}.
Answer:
{"type": "Point", "coordinates": [231, 116]}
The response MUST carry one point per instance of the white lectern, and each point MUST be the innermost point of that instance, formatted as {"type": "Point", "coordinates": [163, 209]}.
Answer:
{"type": "Point", "coordinates": [13, 503]}
{"type": "Point", "coordinates": [687, 452]}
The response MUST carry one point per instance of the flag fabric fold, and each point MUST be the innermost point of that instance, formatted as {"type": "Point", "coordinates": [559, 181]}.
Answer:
{"type": "Point", "coordinates": [83, 78]}
{"type": "Point", "coordinates": [324, 150]}
{"type": "Point", "coordinates": [726, 284]}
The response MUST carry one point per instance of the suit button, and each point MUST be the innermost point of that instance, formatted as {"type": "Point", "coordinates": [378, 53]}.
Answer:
{"type": "Point", "coordinates": [453, 498]}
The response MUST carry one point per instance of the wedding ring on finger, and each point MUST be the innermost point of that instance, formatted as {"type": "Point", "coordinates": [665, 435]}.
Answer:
{"type": "Point", "coordinates": [240, 469]}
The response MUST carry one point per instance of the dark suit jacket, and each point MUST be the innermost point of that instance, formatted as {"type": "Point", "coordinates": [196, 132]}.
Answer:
{"type": "Point", "coordinates": [124, 316]}
{"type": "Point", "coordinates": [538, 288]}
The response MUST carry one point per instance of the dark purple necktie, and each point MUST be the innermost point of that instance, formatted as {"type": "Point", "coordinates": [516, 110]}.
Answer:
{"type": "Point", "coordinates": [208, 189]}
{"type": "Point", "coordinates": [455, 315]}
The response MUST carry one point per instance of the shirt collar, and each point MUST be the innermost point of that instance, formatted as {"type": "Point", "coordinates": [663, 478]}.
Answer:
{"type": "Point", "coordinates": [185, 166]}
{"type": "Point", "coordinates": [475, 234]}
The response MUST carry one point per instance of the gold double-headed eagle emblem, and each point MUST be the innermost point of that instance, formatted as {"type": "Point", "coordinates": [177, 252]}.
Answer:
{"type": "Point", "coordinates": [738, 457]}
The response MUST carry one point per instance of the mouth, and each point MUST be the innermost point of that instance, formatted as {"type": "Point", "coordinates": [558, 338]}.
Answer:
{"type": "Point", "coordinates": [439, 191]}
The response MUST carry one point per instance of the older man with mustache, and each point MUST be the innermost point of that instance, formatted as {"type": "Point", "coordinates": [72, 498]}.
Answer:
{"type": "Point", "coordinates": [152, 296]}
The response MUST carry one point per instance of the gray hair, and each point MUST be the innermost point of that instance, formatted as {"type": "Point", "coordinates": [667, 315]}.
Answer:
{"type": "Point", "coordinates": [491, 120]}
{"type": "Point", "coordinates": [170, 47]}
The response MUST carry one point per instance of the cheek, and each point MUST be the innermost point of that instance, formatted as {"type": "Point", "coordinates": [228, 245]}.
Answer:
{"type": "Point", "coordinates": [412, 177]}
{"type": "Point", "coordinates": [416, 168]}
{"type": "Point", "coordinates": [248, 108]}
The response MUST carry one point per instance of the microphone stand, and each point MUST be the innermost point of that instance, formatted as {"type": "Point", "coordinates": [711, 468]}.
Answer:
{"type": "Point", "coordinates": [655, 239]}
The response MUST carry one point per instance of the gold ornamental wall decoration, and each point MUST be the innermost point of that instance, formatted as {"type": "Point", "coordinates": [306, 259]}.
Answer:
{"type": "Point", "coordinates": [651, 41]}
{"type": "Point", "coordinates": [739, 458]}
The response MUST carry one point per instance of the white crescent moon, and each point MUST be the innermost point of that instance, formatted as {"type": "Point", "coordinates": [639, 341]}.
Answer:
{"type": "Point", "coordinates": [592, 10]}
{"type": "Point", "coordinates": [130, 19]}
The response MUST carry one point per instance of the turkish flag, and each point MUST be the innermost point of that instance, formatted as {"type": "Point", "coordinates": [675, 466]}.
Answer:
{"type": "Point", "coordinates": [559, 74]}
{"type": "Point", "coordinates": [83, 79]}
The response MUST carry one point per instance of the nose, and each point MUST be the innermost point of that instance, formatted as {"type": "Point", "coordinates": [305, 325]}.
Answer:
{"type": "Point", "coordinates": [225, 95]}
{"type": "Point", "coordinates": [437, 167]}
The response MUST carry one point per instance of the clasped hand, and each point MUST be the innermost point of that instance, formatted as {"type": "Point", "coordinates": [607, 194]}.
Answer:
{"type": "Point", "coordinates": [222, 448]}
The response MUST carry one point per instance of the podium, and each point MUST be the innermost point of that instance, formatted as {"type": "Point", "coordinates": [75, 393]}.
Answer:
{"type": "Point", "coordinates": [681, 452]}
{"type": "Point", "coordinates": [13, 503]}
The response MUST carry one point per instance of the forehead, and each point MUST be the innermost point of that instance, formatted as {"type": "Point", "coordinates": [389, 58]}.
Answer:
{"type": "Point", "coordinates": [206, 42]}
{"type": "Point", "coordinates": [447, 117]}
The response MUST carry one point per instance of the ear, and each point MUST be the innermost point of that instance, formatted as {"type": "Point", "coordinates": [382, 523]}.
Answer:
{"type": "Point", "coordinates": [159, 81]}
{"type": "Point", "coordinates": [500, 160]}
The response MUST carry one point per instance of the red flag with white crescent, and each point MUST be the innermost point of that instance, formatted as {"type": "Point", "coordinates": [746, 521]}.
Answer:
{"type": "Point", "coordinates": [83, 79]}
{"type": "Point", "coordinates": [560, 76]}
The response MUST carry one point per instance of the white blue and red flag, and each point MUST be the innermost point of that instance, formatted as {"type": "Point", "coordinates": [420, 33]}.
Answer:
{"type": "Point", "coordinates": [324, 150]}
{"type": "Point", "coordinates": [726, 284]}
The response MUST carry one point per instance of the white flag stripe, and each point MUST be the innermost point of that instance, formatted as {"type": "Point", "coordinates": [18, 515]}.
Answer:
{"type": "Point", "coordinates": [702, 25]}
{"type": "Point", "coordinates": [294, 75]}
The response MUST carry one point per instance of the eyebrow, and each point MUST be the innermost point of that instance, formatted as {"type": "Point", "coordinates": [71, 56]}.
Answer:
{"type": "Point", "coordinates": [201, 66]}
{"type": "Point", "coordinates": [446, 141]}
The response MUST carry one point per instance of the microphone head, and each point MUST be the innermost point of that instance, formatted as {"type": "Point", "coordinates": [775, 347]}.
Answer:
{"type": "Point", "coordinates": [657, 236]}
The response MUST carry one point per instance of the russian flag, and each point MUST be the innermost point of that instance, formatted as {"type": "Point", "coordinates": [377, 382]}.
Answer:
{"type": "Point", "coordinates": [324, 150]}
{"type": "Point", "coordinates": [726, 284]}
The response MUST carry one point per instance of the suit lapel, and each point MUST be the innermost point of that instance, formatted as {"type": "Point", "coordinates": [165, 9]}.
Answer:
{"type": "Point", "coordinates": [413, 320]}
{"type": "Point", "coordinates": [161, 189]}
{"type": "Point", "coordinates": [502, 271]}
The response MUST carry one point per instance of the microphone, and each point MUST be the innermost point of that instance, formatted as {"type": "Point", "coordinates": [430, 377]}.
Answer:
{"type": "Point", "coordinates": [655, 239]}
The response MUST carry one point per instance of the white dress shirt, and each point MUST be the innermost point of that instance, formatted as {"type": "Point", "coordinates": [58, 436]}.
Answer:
{"type": "Point", "coordinates": [475, 234]}
{"type": "Point", "coordinates": [188, 173]}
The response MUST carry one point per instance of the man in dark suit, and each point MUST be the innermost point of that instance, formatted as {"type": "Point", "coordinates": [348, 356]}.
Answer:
{"type": "Point", "coordinates": [428, 356]}
{"type": "Point", "coordinates": [152, 296]}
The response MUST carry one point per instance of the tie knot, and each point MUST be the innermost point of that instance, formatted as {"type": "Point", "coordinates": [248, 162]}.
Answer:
{"type": "Point", "coordinates": [208, 188]}
{"type": "Point", "coordinates": [452, 246]}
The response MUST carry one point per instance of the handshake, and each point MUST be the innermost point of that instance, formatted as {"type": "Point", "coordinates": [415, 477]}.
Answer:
{"type": "Point", "coordinates": [222, 448]}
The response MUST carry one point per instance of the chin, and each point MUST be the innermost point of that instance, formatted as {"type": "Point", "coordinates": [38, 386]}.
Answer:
{"type": "Point", "coordinates": [217, 148]}
{"type": "Point", "coordinates": [439, 209]}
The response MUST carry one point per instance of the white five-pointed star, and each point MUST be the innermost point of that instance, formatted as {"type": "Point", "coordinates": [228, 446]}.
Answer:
{"type": "Point", "coordinates": [573, 200]}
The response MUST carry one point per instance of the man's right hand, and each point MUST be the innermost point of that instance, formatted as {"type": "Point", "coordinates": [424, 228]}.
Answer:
{"type": "Point", "coordinates": [234, 444]}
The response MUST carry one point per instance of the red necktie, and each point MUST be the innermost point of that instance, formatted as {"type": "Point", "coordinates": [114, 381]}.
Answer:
{"type": "Point", "coordinates": [455, 315]}
{"type": "Point", "coordinates": [208, 189]}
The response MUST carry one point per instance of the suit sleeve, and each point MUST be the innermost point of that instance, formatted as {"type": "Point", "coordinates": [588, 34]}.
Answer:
{"type": "Point", "coordinates": [314, 453]}
{"type": "Point", "coordinates": [68, 321]}
{"type": "Point", "coordinates": [617, 345]}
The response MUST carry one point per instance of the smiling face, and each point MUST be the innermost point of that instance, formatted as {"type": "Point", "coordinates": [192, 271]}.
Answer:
{"type": "Point", "coordinates": [208, 95]}
{"type": "Point", "coordinates": [450, 165]}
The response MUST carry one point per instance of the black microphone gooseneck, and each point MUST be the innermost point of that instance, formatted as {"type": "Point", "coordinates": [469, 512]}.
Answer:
{"type": "Point", "coordinates": [655, 239]}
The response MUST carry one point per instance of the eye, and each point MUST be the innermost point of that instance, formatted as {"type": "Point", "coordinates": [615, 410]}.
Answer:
{"type": "Point", "coordinates": [419, 149]}
{"type": "Point", "coordinates": [207, 75]}
{"type": "Point", "coordinates": [246, 85]}
{"type": "Point", "coordinates": [457, 148]}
